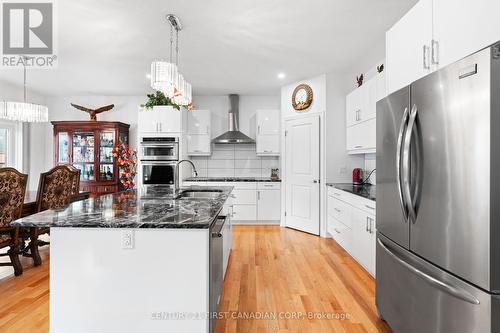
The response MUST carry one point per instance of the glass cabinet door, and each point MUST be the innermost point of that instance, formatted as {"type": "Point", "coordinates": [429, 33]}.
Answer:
{"type": "Point", "coordinates": [86, 171]}
{"type": "Point", "coordinates": [106, 144]}
{"type": "Point", "coordinates": [62, 148]}
{"type": "Point", "coordinates": [83, 154]}
{"type": "Point", "coordinates": [83, 147]}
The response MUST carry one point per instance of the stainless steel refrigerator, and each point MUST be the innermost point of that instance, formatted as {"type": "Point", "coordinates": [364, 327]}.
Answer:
{"type": "Point", "coordinates": [438, 200]}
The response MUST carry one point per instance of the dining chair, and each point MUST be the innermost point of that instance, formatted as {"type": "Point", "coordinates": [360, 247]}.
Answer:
{"type": "Point", "coordinates": [55, 190]}
{"type": "Point", "coordinates": [75, 189]}
{"type": "Point", "coordinates": [12, 191]}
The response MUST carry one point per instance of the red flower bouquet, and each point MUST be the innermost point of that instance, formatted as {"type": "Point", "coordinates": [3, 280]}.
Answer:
{"type": "Point", "coordinates": [127, 162]}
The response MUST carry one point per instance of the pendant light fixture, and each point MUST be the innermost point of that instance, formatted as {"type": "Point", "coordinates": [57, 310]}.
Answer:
{"type": "Point", "coordinates": [165, 76]}
{"type": "Point", "coordinates": [24, 111]}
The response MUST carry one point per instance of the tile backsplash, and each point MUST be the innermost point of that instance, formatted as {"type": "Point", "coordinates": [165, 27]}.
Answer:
{"type": "Point", "coordinates": [235, 161]}
{"type": "Point", "coordinates": [370, 164]}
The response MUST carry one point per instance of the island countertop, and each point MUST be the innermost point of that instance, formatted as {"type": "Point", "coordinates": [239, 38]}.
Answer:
{"type": "Point", "coordinates": [142, 208]}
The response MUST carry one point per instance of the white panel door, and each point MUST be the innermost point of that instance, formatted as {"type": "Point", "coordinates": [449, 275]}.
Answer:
{"type": "Point", "coordinates": [302, 174]}
{"type": "Point", "coordinates": [462, 27]}
{"type": "Point", "coordinates": [405, 43]}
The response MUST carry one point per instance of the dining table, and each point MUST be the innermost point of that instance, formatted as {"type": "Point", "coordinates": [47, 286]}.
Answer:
{"type": "Point", "coordinates": [29, 206]}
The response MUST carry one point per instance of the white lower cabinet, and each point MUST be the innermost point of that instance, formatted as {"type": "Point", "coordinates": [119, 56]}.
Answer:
{"type": "Point", "coordinates": [363, 239]}
{"type": "Point", "coordinates": [351, 223]}
{"type": "Point", "coordinates": [268, 201]}
{"type": "Point", "coordinates": [251, 202]}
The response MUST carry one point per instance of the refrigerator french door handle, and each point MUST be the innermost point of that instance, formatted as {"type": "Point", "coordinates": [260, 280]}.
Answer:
{"type": "Point", "coordinates": [454, 291]}
{"type": "Point", "coordinates": [406, 164]}
{"type": "Point", "coordinates": [398, 163]}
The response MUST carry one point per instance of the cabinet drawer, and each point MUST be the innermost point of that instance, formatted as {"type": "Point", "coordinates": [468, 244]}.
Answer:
{"type": "Point", "coordinates": [244, 197]}
{"type": "Point", "coordinates": [368, 206]}
{"type": "Point", "coordinates": [340, 233]}
{"type": "Point", "coordinates": [337, 194]}
{"type": "Point", "coordinates": [340, 211]}
{"type": "Point", "coordinates": [268, 186]}
{"type": "Point", "coordinates": [244, 212]}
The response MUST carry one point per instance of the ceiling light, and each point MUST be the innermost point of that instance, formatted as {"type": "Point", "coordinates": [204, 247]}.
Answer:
{"type": "Point", "coordinates": [281, 76]}
{"type": "Point", "coordinates": [165, 76]}
{"type": "Point", "coordinates": [24, 111]}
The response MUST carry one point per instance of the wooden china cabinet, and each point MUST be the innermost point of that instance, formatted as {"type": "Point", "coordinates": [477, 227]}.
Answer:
{"type": "Point", "coordinates": [87, 145]}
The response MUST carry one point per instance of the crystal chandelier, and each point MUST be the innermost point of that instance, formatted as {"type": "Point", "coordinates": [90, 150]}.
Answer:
{"type": "Point", "coordinates": [24, 111]}
{"type": "Point", "coordinates": [165, 76]}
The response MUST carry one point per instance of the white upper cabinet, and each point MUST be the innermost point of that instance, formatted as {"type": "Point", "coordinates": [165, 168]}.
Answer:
{"type": "Point", "coordinates": [462, 27]}
{"type": "Point", "coordinates": [361, 113]}
{"type": "Point", "coordinates": [436, 33]}
{"type": "Point", "coordinates": [198, 122]}
{"type": "Point", "coordinates": [408, 47]}
{"type": "Point", "coordinates": [357, 105]}
{"type": "Point", "coordinates": [198, 133]}
{"type": "Point", "coordinates": [268, 132]}
{"type": "Point", "coordinates": [160, 119]}
{"type": "Point", "coordinates": [361, 138]}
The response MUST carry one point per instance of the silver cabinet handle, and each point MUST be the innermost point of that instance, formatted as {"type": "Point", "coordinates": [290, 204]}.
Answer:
{"type": "Point", "coordinates": [452, 290]}
{"type": "Point", "coordinates": [398, 163]}
{"type": "Point", "coordinates": [258, 195]}
{"type": "Point", "coordinates": [315, 181]}
{"type": "Point", "coordinates": [425, 51]}
{"type": "Point", "coordinates": [258, 129]}
{"type": "Point", "coordinates": [406, 164]}
{"type": "Point", "coordinates": [338, 210]}
{"type": "Point", "coordinates": [435, 52]}
{"type": "Point", "coordinates": [367, 222]}
{"type": "Point", "coordinates": [337, 194]}
{"type": "Point", "coordinates": [369, 207]}
{"type": "Point", "coordinates": [358, 146]}
{"type": "Point", "coordinates": [336, 230]}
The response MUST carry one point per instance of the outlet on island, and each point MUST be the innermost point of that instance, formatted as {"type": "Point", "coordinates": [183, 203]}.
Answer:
{"type": "Point", "coordinates": [127, 239]}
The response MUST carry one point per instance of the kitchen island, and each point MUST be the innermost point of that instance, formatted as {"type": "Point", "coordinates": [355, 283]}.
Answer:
{"type": "Point", "coordinates": [133, 261]}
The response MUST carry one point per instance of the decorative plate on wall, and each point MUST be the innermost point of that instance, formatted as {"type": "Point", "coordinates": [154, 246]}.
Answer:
{"type": "Point", "coordinates": [302, 97]}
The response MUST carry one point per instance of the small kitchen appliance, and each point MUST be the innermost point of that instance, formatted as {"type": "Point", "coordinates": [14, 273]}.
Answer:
{"type": "Point", "coordinates": [357, 176]}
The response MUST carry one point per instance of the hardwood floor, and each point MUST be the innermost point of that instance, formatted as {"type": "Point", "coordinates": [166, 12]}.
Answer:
{"type": "Point", "coordinates": [24, 300]}
{"type": "Point", "coordinates": [287, 272]}
{"type": "Point", "coordinates": [274, 273]}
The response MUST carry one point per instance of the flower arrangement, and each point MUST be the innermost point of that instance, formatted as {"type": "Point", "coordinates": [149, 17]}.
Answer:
{"type": "Point", "coordinates": [127, 162]}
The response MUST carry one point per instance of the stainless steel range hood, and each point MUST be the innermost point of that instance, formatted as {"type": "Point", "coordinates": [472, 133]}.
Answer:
{"type": "Point", "coordinates": [233, 135]}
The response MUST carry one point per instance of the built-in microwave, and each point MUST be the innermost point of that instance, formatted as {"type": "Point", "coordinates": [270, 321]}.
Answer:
{"type": "Point", "coordinates": [158, 173]}
{"type": "Point", "coordinates": [159, 148]}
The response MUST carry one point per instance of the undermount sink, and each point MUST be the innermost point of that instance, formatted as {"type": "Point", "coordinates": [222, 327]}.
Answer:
{"type": "Point", "coordinates": [199, 194]}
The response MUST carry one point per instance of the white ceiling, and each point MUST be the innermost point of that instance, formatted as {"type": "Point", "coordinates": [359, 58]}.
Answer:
{"type": "Point", "coordinates": [227, 46]}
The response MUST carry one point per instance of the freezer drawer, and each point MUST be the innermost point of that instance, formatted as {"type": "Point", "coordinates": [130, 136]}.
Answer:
{"type": "Point", "coordinates": [414, 296]}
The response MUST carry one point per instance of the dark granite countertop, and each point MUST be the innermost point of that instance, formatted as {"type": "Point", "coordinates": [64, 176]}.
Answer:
{"type": "Point", "coordinates": [366, 191]}
{"type": "Point", "coordinates": [231, 179]}
{"type": "Point", "coordinates": [142, 208]}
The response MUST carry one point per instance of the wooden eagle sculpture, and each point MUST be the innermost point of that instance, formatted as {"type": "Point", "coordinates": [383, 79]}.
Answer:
{"type": "Point", "coordinates": [93, 113]}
